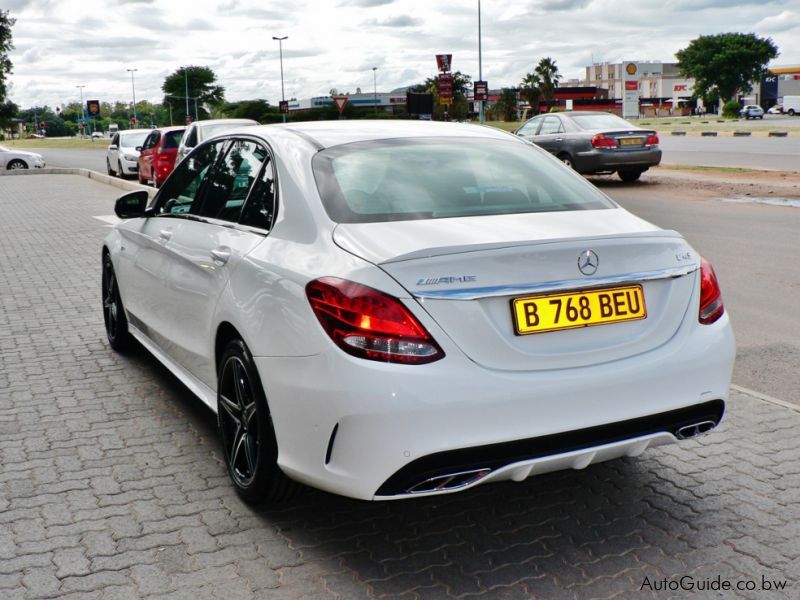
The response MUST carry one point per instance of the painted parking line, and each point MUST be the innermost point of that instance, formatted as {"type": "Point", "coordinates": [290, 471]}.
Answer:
{"type": "Point", "coordinates": [766, 398]}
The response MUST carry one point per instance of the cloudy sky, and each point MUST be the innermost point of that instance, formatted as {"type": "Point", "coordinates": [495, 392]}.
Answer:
{"type": "Point", "coordinates": [335, 43]}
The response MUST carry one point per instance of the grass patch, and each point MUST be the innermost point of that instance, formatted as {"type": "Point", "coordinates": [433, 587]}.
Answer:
{"type": "Point", "coordinates": [709, 169]}
{"type": "Point", "coordinates": [88, 144]}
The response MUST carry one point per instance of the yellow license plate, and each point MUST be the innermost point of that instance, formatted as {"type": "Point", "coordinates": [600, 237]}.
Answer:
{"type": "Point", "coordinates": [631, 141]}
{"type": "Point", "coordinates": [553, 312]}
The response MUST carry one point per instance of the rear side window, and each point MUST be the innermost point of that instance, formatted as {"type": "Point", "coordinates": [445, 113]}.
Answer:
{"type": "Point", "coordinates": [172, 139]}
{"type": "Point", "coordinates": [601, 121]}
{"type": "Point", "coordinates": [430, 178]}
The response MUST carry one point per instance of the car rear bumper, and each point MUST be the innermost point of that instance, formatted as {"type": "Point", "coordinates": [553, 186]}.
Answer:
{"type": "Point", "coordinates": [354, 427]}
{"type": "Point", "coordinates": [598, 159]}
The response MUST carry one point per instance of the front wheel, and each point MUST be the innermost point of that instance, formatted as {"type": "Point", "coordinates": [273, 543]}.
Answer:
{"type": "Point", "coordinates": [108, 169]}
{"type": "Point", "coordinates": [629, 175]}
{"type": "Point", "coordinates": [17, 164]}
{"type": "Point", "coordinates": [119, 338]}
{"type": "Point", "coordinates": [246, 430]}
{"type": "Point", "coordinates": [120, 172]}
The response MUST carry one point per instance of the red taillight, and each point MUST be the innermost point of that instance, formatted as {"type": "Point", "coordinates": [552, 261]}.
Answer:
{"type": "Point", "coordinates": [370, 324]}
{"type": "Point", "coordinates": [652, 140]}
{"type": "Point", "coordinates": [602, 141]}
{"type": "Point", "coordinates": [711, 307]}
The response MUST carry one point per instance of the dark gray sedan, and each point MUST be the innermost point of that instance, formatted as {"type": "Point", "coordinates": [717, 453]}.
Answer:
{"type": "Point", "coordinates": [595, 142]}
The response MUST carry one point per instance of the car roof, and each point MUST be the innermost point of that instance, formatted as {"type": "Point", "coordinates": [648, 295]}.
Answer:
{"type": "Point", "coordinates": [209, 122]}
{"type": "Point", "coordinates": [325, 134]}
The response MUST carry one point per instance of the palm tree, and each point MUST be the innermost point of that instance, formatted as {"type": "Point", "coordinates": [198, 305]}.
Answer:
{"type": "Point", "coordinates": [548, 72]}
{"type": "Point", "coordinates": [532, 90]}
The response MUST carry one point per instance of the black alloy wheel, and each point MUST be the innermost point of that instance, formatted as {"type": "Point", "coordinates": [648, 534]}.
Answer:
{"type": "Point", "coordinates": [246, 430]}
{"type": "Point", "coordinates": [119, 338]}
{"type": "Point", "coordinates": [120, 172]}
{"type": "Point", "coordinates": [108, 168]}
{"type": "Point", "coordinates": [17, 164]}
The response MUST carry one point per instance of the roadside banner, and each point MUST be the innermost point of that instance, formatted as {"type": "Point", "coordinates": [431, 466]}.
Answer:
{"type": "Point", "coordinates": [480, 91]}
{"type": "Point", "coordinates": [630, 104]}
{"type": "Point", "coordinates": [445, 85]}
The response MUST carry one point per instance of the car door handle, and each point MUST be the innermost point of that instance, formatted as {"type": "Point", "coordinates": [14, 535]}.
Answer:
{"type": "Point", "coordinates": [165, 234]}
{"type": "Point", "coordinates": [221, 254]}
{"type": "Point", "coordinates": [559, 139]}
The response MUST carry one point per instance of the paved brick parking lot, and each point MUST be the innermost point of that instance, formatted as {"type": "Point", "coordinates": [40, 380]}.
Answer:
{"type": "Point", "coordinates": [111, 484]}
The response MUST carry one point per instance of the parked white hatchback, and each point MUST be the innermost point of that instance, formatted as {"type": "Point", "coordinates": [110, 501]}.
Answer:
{"type": "Point", "coordinates": [122, 155]}
{"type": "Point", "coordinates": [390, 310]}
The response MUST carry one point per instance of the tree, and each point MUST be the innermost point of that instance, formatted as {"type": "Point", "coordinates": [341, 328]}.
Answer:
{"type": "Point", "coordinates": [201, 83]}
{"type": "Point", "coordinates": [531, 90]}
{"type": "Point", "coordinates": [727, 63]}
{"type": "Point", "coordinates": [459, 108]}
{"type": "Point", "coordinates": [549, 75]}
{"type": "Point", "coordinates": [6, 46]}
{"type": "Point", "coordinates": [506, 106]}
{"type": "Point", "coordinates": [259, 110]}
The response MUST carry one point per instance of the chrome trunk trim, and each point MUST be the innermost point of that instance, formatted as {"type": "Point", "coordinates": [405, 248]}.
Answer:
{"type": "Point", "coordinates": [585, 283]}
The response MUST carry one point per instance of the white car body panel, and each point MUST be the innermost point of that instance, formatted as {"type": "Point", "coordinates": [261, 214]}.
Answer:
{"type": "Point", "coordinates": [31, 159]}
{"type": "Point", "coordinates": [491, 387]}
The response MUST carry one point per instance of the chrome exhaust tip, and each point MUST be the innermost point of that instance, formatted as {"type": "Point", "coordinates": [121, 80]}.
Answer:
{"type": "Point", "coordinates": [448, 481]}
{"type": "Point", "coordinates": [695, 429]}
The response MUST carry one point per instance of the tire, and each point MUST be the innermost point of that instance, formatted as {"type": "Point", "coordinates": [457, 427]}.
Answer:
{"type": "Point", "coordinates": [566, 159]}
{"type": "Point", "coordinates": [120, 172]}
{"type": "Point", "coordinates": [17, 164]}
{"type": "Point", "coordinates": [119, 338]}
{"type": "Point", "coordinates": [154, 180]}
{"type": "Point", "coordinates": [629, 175]}
{"type": "Point", "coordinates": [246, 431]}
{"type": "Point", "coordinates": [108, 169]}
{"type": "Point", "coordinates": [791, 112]}
{"type": "Point", "coordinates": [139, 177]}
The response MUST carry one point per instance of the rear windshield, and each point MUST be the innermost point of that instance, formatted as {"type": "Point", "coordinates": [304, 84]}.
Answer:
{"type": "Point", "coordinates": [131, 140]}
{"type": "Point", "coordinates": [601, 121]}
{"type": "Point", "coordinates": [430, 178]}
{"type": "Point", "coordinates": [172, 139]}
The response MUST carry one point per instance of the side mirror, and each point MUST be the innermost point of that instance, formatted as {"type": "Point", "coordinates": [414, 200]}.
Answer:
{"type": "Point", "coordinates": [138, 148]}
{"type": "Point", "coordinates": [113, 147]}
{"type": "Point", "coordinates": [131, 205]}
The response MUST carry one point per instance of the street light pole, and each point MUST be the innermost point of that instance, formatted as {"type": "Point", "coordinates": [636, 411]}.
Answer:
{"type": "Point", "coordinates": [186, 82]}
{"type": "Point", "coordinates": [480, 60]}
{"type": "Point", "coordinates": [280, 50]}
{"type": "Point", "coordinates": [133, 89]}
{"type": "Point", "coordinates": [375, 89]}
{"type": "Point", "coordinates": [83, 110]}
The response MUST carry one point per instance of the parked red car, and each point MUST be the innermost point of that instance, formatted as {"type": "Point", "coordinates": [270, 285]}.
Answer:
{"type": "Point", "coordinates": [157, 157]}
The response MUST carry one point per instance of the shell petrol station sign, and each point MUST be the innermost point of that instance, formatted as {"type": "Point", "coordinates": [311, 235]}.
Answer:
{"type": "Point", "coordinates": [630, 103]}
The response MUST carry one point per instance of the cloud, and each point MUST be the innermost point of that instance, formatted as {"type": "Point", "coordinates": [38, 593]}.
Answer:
{"type": "Point", "coordinates": [783, 22]}
{"type": "Point", "coordinates": [398, 21]}
{"type": "Point", "coordinates": [365, 3]}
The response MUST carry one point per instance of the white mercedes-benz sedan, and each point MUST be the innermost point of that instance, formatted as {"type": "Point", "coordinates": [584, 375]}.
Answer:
{"type": "Point", "coordinates": [396, 309]}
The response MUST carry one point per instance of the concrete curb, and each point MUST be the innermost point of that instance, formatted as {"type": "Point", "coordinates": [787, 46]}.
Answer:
{"type": "Point", "coordinates": [99, 177]}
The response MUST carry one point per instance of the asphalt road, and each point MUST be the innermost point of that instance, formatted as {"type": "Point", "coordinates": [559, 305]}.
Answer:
{"type": "Point", "coordinates": [94, 159]}
{"type": "Point", "coordinates": [781, 154]}
{"type": "Point", "coordinates": [753, 248]}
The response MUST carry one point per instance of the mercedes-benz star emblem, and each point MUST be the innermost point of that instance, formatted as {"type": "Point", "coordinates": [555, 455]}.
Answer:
{"type": "Point", "coordinates": [588, 262]}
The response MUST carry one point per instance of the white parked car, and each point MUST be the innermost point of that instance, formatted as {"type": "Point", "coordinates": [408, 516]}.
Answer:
{"type": "Point", "coordinates": [198, 131]}
{"type": "Point", "coordinates": [396, 309]}
{"type": "Point", "coordinates": [122, 156]}
{"type": "Point", "coordinates": [775, 110]}
{"type": "Point", "coordinates": [752, 111]}
{"type": "Point", "coordinates": [19, 159]}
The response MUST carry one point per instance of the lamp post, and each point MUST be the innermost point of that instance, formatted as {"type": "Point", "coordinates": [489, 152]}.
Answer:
{"type": "Point", "coordinates": [133, 90]}
{"type": "Point", "coordinates": [280, 50]}
{"type": "Point", "coordinates": [375, 89]}
{"type": "Point", "coordinates": [186, 83]}
{"type": "Point", "coordinates": [83, 110]}
{"type": "Point", "coordinates": [480, 60]}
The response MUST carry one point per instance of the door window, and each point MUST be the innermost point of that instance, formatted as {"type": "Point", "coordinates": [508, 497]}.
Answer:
{"type": "Point", "coordinates": [530, 127]}
{"type": "Point", "coordinates": [259, 210]}
{"type": "Point", "coordinates": [551, 125]}
{"type": "Point", "coordinates": [232, 180]}
{"type": "Point", "coordinates": [151, 140]}
{"type": "Point", "coordinates": [182, 188]}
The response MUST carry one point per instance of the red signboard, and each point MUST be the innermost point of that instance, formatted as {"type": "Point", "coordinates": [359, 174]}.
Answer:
{"type": "Point", "coordinates": [283, 106]}
{"type": "Point", "coordinates": [445, 85]}
{"type": "Point", "coordinates": [631, 86]}
{"type": "Point", "coordinates": [679, 88]}
{"type": "Point", "coordinates": [340, 102]}
{"type": "Point", "coordinates": [481, 90]}
{"type": "Point", "coordinates": [443, 61]}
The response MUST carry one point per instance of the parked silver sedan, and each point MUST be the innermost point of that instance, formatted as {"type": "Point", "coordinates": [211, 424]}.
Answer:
{"type": "Point", "coordinates": [19, 159]}
{"type": "Point", "coordinates": [595, 142]}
